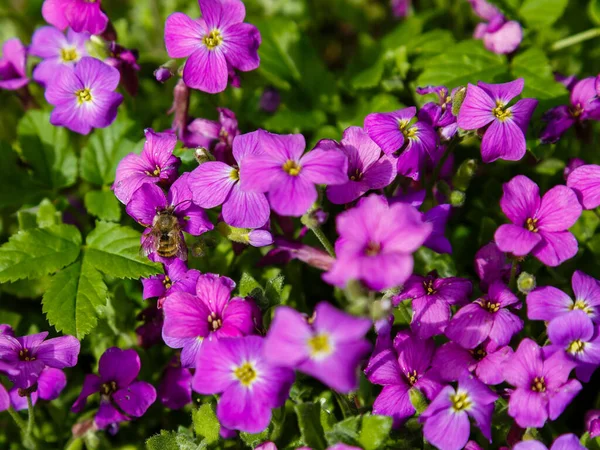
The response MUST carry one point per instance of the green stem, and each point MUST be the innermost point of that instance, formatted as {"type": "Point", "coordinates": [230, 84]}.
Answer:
{"type": "Point", "coordinates": [15, 416]}
{"type": "Point", "coordinates": [576, 39]}
{"type": "Point", "coordinates": [512, 284]}
{"type": "Point", "coordinates": [324, 241]}
{"type": "Point", "coordinates": [30, 423]}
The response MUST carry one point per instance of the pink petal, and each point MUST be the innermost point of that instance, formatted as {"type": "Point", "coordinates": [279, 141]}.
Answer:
{"type": "Point", "coordinates": [503, 140]}
{"type": "Point", "coordinates": [367, 150]}
{"type": "Point", "coordinates": [504, 40]}
{"type": "Point", "coordinates": [559, 209]}
{"type": "Point", "coordinates": [97, 75]}
{"type": "Point", "coordinates": [47, 42]}
{"type": "Point", "coordinates": [470, 326]}
{"type": "Point", "coordinates": [246, 144]}
{"type": "Point", "coordinates": [214, 291]}
{"type": "Point", "coordinates": [528, 408]}
{"type": "Point", "coordinates": [585, 181]}
{"type": "Point", "coordinates": [211, 183]}
{"type": "Point", "coordinates": [325, 167]}
{"type": "Point", "coordinates": [240, 45]}
{"type": "Point", "coordinates": [293, 197]}
{"type": "Point", "coordinates": [503, 92]}
{"type": "Point", "coordinates": [285, 343]}
{"type": "Point", "coordinates": [521, 199]}
{"type": "Point", "coordinates": [555, 248]}
{"type": "Point", "coordinates": [145, 203]}
{"type": "Point", "coordinates": [546, 303]}
{"type": "Point", "coordinates": [185, 316]}
{"type": "Point", "coordinates": [384, 129]}
{"type": "Point", "coordinates": [183, 35]}
{"type": "Point", "coordinates": [245, 209]}
{"type": "Point", "coordinates": [63, 88]}
{"type": "Point", "coordinates": [222, 13]}
{"type": "Point", "coordinates": [516, 240]}
{"type": "Point", "coordinates": [53, 12]}
{"type": "Point", "coordinates": [476, 110]}
{"type": "Point", "coordinates": [237, 409]}
{"type": "Point", "coordinates": [206, 70]}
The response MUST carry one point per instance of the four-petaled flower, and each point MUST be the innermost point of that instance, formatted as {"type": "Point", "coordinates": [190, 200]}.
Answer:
{"type": "Point", "coordinates": [80, 15]}
{"type": "Point", "coordinates": [177, 278]}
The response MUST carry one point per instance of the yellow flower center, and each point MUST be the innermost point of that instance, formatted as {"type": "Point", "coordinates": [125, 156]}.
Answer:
{"type": "Point", "coordinates": [319, 346]}
{"type": "Point", "coordinates": [234, 174]}
{"type": "Point", "coordinates": [501, 112]}
{"type": "Point", "coordinates": [428, 285]}
{"type": "Point", "coordinates": [167, 283]}
{"type": "Point", "coordinates": [491, 307]}
{"type": "Point", "coordinates": [292, 167]}
{"type": "Point", "coordinates": [582, 305]}
{"type": "Point", "coordinates": [108, 388]}
{"type": "Point", "coordinates": [214, 322]}
{"type": "Point", "coordinates": [412, 377]}
{"type": "Point", "coordinates": [245, 373]}
{"type": "Point", "coordinates": [576, 346]}
{"type": "Point", "coordinates": [460, 401]}
{"type": "Point", "coordinates": [212, 39]}
{"type": "Point", "coordinates": [408, 132]}
{"type": "Point", "coordinates": [357, 175]}
{"type": "Point", "coordinates": [83, 95]}
{"type": "Point", "coordinates": [24, 355]}
{"type": "Point", "coordinates": [538, 384]}
{"type": "Point", "coordinates": [68, 54]}
{"type": "Point", "coordinates": [532, 225]}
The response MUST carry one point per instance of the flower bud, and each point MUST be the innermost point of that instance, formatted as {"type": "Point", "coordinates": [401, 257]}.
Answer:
{"type": "Point", "coordinates": [162, 74]}
{"type": "Point", "coordinates": [457, 99]}
{"type": "Point", "coordinates": [97, 47]}
{"type": "Point", "coordinates": [255, 238]}
{"type": "Point", "coordinates": [269, 100]}
{"type": "Point", "coordinates": [202, 155]}
{"type": "Point", "coordinates": [526, 283]}
{"type": "Point", "coordinates": [457, 198]}
{"type": "Point", "coordinates": [418, 400]}
{"type": "Point", "coordinates": [465, 174]}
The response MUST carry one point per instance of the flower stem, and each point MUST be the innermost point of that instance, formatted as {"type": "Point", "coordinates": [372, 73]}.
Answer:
{"type": "Point", "coordinates": [29, 440]}
{"type": "Point", "coordinates": [576, 39]}
{"type": "Point", "coordinates": [15, 416]}
{"type": "Point", "coordinates": [324, 240]}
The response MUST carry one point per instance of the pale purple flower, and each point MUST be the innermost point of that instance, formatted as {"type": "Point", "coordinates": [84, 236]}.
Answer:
{"type": "Point", "coordinates": [564, 442]}
{"type": "Point", "coordinates": [13, 65]}
{"type": "Point", "coordinates": [209, 314]}
{"type": "Point", "coordinates": [439, 115]}
{"type": "Point", "coordinates": [289, 177]}
{"type": "Point", "coordinates": [56, 50]}
{"type": "Point", "coordinates": [539, 226]}
{"type": "Point", "coordinates": [50, 384]}
{"type": "Point", "coordinates": [486, 105]}
{"type": "Point", "coordinates": [25, 357]}
{"type": "Point", "coordinates": [542, 389]}
{"type": "Point", "coordinates": [491, 264]}
{"type": "Point", "coordinates": [80, 15]}
{"type": "Point", "coordinates": [499, 34]}
{"type": "Point", "coordinates": [84, 97]}
{"type": "Point", "coordinates": [328, 347]}
{"type": "Point", "coordinates": [156, 164]}
{"type": "Point", "coordinates": [249, 385]}
{"type": "Point", "coordinates": [446, 420]}
{"type": "Point", "coordinates": [175, 389]}
{"type": "Point", "coordinates": [122, 398]}
{"type": "Point", "coordinates": [177, 278]}
{"type": "Point", "coordinates": [215, 44]}
{"type": "Point", "coordinates": [585, 181]}
{"type": "Point", "coordinates": [6, 330]}
{"type": "Point", "coordinates": [376, 243]}
{"type": "Point", "coordinates": [431, 298]}
{"type": "Point", "coordinates": [216, 136]}
{"type": "Point", "coordinates": [367, 169]}
{"type": "Point", "coordinates": [400, 367]}
{"type": "Point", "coordinates": [216, 183]}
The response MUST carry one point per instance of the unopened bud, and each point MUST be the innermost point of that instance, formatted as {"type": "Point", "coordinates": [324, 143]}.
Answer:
{"type": "Point", "coordinates": [314, 218]}
{"type": "Point", "coordinates": [417, 399]}
{"type": "Point", "coordinates": [270, 100]}
{"type": "Point", "coordinates": [97, 47]}
{"type": "Point", "coordinates": [457, 198]}
{"type": "Point", "coordinates": [255, 238]}
{"type": "Point", "coordinates": [166, 71]}
{"type": "Point", "coordinates": [202, 155]}
{"type": "Point", "coordinates": [465, 173]}
{"type": "Point", "coordinates": [457, 100]}
{"type": "Point", "coordinates": [526, 282]}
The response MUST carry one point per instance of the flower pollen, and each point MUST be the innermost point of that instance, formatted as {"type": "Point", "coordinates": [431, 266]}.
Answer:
{"type": "Point", "coordinates": [212, 39]}
{"type": "Point", "coordinates": [412, 377]}
{"type": "Point", "coordinates": [245, 373]}
{"type": "Point", "coordinates": [83, 95]}
{"type": "Point", "coordinates": [167, 283]}
{"type": "Point", "coordinates": [234, 175]}
{"type": "Point", "coordinates": [538, 384]}
{"type": "Point", "coordinates": [582, 305]}
{"type": "Point", "coordinates": [532, 225]}
{"type": "Point", "coordinates": [478, 353]}
{"type": "Point", "coordinates": [356, 176]}
{"type": "Point", "coordinates": [429, 289]}
{"type": "Point", "coordinates": [460, 401]}
{"type": "Point", "coordinates": [68, 54]}
{"type": "Point", "coordinates": [214, 321]}
{"type": "Point", "coordinates": [292, 168]}
{"type": "Point", "coordinates": [501, 112]}
{"type": "Point", "coordinates": [108, 388]}
{"type": "Point", "coordinates": [577, 346]}
{"type": "Point", "coordinates": [319, 345]}
{"type": "Point", "coordinates": [24, 355]}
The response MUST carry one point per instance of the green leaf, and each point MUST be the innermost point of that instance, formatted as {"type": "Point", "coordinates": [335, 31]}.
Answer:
{"type": "Point", "coordinates": [39, 251]}
{"type": "Point", "coordinates": [248, 284]}
{"type": "Point", "coordinates": [114, 250]}
{"type": "Point", "coordinates": [310, 426]}
{"type": "Point", "coordinates": [374, 431]}
{"type": "Point", "coordinates": [274, 290]}
{"type": "Point", "coordinates": [370, 77]}
{"type": "Point", "coordinates": [550, 166]}
{"type": "Point", "coordinates": [295, 121]}
{"type": "Point", "coordinates": [47, 150]}
{"type": "Point", "coordinates": [166, 440]}
{"type": "Point", "coordinates": [533, 66]}
{"type": "Point", "coordinates": [542, 13]}
{"type": "Point", "coordinates": [103, 204]}
{"type": "Point", "coordinates": [206, 424]}
{"type": "Point", "coordinates": [586, 226]}
{"type": "Point", "coordinates": [431, 43]}
{"type": "Point", "coordinates": [47, 215]}
{"type": "Point", "coordinates": [16, 185]}
{"type": "Point", "coordinates": [345, 431]}
{"type": "Point", "coordinates": [594, 11]}
{"type": "Point", "coordinates": [404, 33]}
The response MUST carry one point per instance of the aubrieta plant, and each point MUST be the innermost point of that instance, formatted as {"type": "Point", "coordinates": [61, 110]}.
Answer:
{"type": "Point", "coordinates": [300, 225]}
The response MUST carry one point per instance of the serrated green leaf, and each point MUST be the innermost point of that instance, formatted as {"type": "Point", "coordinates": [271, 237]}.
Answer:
{"type": "Point", "coordinates": [103, 204]}
{"type": "Point", "coordinates": [254, 439]}
{"type": "Point", "coordinates": [39, 251]}
{"type": "Point", "coordinates": [374, 431]}
{"type": "Point", "coordinates": [533, 66]}
{"type": "Point", "coordinates": [47, 215]}
{"type": "Point", "coordinates": [248, 284]}
{"type": "Point", "coordinates": [542, 13]}
{"type": "Point", "coordinates": [309, 422]}
{"type": "Point", "coordinates": [166, 440]}
{"type": "Point", "coordinates": [114, 250]}
{"type": "Point", "coordinates": [206, 424]}
{"type": "Point", "coordinates": [274, 290]}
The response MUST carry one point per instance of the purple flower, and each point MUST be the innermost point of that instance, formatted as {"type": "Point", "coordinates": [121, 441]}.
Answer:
{"type": "Point", "coordinates": [125, 61]}
{"type": "Point", "coordinates": [84, 98]}
{"type": "Point", "coordinates": [27, 356]}
{"type": "Point", "coordinates": [50, 384]}
{"type": "Point", "coordinates": [150, 202]}
{"type": "Point", "coordinates": [162, 74]}
{"type": "Point", "coordinates": [367, 169]}
{"type": "Point", "coordinates": [150, 332]}
{"type": "Point", "coordinates": [446, 420]}
{"type": "Point", "coordinates": [585, 105]}
{"type": "Point", "coordinates": [216, 44]}
{"type": "Point", "coordinates": [80, 15]}
{"type": "Point", "coordinates": [400, 367]}
{"type": "Point", "coordinates": [486, 105]}
{"type": "Point", "coordinates": [280, 169]}
{"type": "Point", "coordinates": [249, 385]}
{"type": "Point", "coordinates": [177, 278]}
{"type": "Point", "coordinates": [394, 132]}
{"type": "Point", "coordinates": [328, 347]}
{"type": "Point", "coordinates": [499, 35]}
{"type": "Point", "coordinates": [487, 317]}
{"type": "Point", "coordinates": [585, 181]}
{"type": "Point", "coordinates": [572, 164]}
{"type": "Point", "coordinates": [491, 264]}
{"type": "Point", "coordinates": [376, 243]}
{"type": "Point", "coordinates": [542, 386]}
{"type": "Point", "coordinates": [547, 303]}
{"type": "Point", "coordinates": [400, 7]}
{"type": "Point", "coordinates": [564, 442]}
{"type": "Point", "coordinates": [175, 389]}
{"type": "Point", "coordinates": [215, 136]}
{"type": "Point", "coordinates": [575, 336]}
{"type": "Point", "coordinates": [6, 329]}
{"type": "Point", "coordinates": [156, 164]}
{"type": "Point", "coordinates": [210, 313]}
{"type": "Point", "coordinates": [270, 100]}
{"type": "Point", "coordinates": [13, 65]}
{"type": "Point", "coordinates": [538, 226]}
{"type": "Point", "coordinates": [431, 300]}
{"type": "Point", "coordinates": [439, 115]}
{"type": "Point", "coordinates": [592, 422]}
{"type": "Point", "coordinates": [215, 183]}
{"type": "Point", "coordinates": [56, 50]}
{"type": "Point", "coordinates": [121, 397]}
{"type": "Point", "coordinates": [285, 250]}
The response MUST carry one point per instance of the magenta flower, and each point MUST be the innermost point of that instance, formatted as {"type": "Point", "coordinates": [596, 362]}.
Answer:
{"type": "Point", "coordinates": [217, 137]}
{"type": "Point", "coordinates": [56, 50]}
{"type": "Point", "coordinates": [446, 420]}
{"type": "Point", "coordinates": [499, 35]}
{"type": "Point", "coordinates": [592, 422]}
{"type": "Point", "coordinates": [50, 384]}
{"type": "Point", "coordinates": [149, 202]}
{"type": "Point", "coordinates": [538, 226]}
{"type": "Point", "coordinates": [80, 15]}
{"type": "Point", "coordinates": [431, 298]}
{"type": "Point", "coordinates": [210, 313]}
{"type": "Point", "coordinates": [125, 61]}
{"type": "Point", "coordinates": [328, 347]}
{"type": "Point", "coordinates": [400, 367]}
{"type": "Point", "coordinates": [486, 105]}
{"type": "Point", "coordinates": [177, 278]}
{"type": "Point", "coordinates": [491, 264]}
{"type": "Point", "coordinates": [487, 317]}
{"type": "Point", "coordinates": [285, 250]}
{"type": "Point", "coordinates": [215, 183]}
{"type": "Point", "coordinates": [13, 65]}
{"type": "Point", "coordinates": [542, 386]}
{"type": "Point", "coordinates": [564, 442]}
{"type": "Point", "coordinates": [439, 115]}
{"type": "Point", "coordinates": [367, 169]}
{"type": "Point", "coordinates": [376, 243]}
{"type": "Point", "coordinates": [249, 385]}
{"type": "Point", "coordinates": [175, 389]}
{"type": "Point", "coordinates": [150, 332]}
{"type": "Point", "coordinates": [585, 181]}
{"type": "Point", "coordinates": [289, 178]}
{"type": "Point", "coordinates": [216, 43]}
{"type": "Point", "coordinates": [156, 164]}
{"type": "Point", "coordinates": [547, 303]}
{"type": "Point", "coordinates": [121, 397]}
{"type": "Point", "coordinates": [400, 7]}
{"type": "Point", "coordinates": [572, 164]}
{"type": "Point", "coordinates": [84, 98]}
{"type": "Point", "coordinates": [25, 357]}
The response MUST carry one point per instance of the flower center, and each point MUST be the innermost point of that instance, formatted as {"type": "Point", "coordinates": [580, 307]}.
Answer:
{"type": "Point", "coordinates": [576, 111]}
{"type": "Point", "coordinates": [372, 248]}
{"type": "Point", "coordinates": [478, 353]}
{"type": "Point", "coordinates": [212, 39]}
{"type": "Point", "coordinates": [576, 346]}
{"type": "Point", "coordinates": [245, 373]}
{"type": "Point", "coordinates": [582, 305]}
{"type": "Point", "coordinates": [154, 173]}
{"type": "Point", "coordinates": [292, 167]}
{"type": "Point", "coordinates": [24, 355]}
{"type": "Point", "coordinates": [319, 345]}
{"type": "Point", "coordinates": [234, 174]}
{"type": "Point", "coordinates": [538, 384]}
{"type": "Point", "coordinates": [356, 176]}
{"type": "Point", "coordinates": [68, 54]}
{"type": "Point", "coordinates": [429, 289]}
{"type": "Point", "coordinates": [491, 307]}
{"type": "Point", "coordinates": [408, 132]}
{"type": "Point", "coordinates": [108, 388]}
{"type": "Point", "coordinates": [412, 377]}
{"type": "Point", "coordinates": [532, 225]}
{"type": "Point", "coordinates": [214, 321]}
{"type": "Point", "coordinates": [167, 283]}
{"type": "Point", "coordinates": [460, 401]}
{"type": "Point", "coordinates": [501, 112]}
{"type": "Point", "coordinates": [83, 95]}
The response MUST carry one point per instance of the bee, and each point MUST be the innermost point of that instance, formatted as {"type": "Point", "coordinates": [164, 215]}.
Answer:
{"type": "Point", "coordinates": [165, 237]}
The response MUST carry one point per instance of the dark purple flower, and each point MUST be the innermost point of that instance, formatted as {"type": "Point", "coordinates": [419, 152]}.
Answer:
{"type": "Point", "coordinates": [150, 332]}
{"type": "Point", "coordinates": [125, 61]}
{"type": "Point", "coordinates": [446, 420]}
{"type": "Point", "coordinates": [499, 35]}
{"type": "Point", "coordinates": [400, 7]}
{"type": "Point", "coordinates": [210, 313]}
{"type": "Point", "coordinates": [13, 65]}
{"type": "Point", "coordinates": [216, 136]}
{"type": "Point", "coordinates": [585, 181]}
{"type": "Point", "coordinates": [439, 115]}
{"type": "Point", "coordinates": [569, 81]}
{"type": "Point", "coordinates": [270, 100]}
{"type": "Point", "coordinates": [175, 389]}
{"type": "Point", "coordinates": [539, 226]}
{"type": "Point", "coordinates": [329, 346]}
{"type": "Point", "coordinates": [542, 386]}
{"type": "Point", "coordinates": [285, 250]}
{"type": "Point", "coordinates": [163, 74]}
{"type": "Point", "coordinates": [177, 278]}
{"type": "Point", "coordinates": [486, 105]}
{"type": "Point", "coordinates": [572, 164]}
{"type": "Point", "coordinates": [84, 97]}
{"type": "Point", "coordinates": [50, 384]}
{"type": "Point", "coordinates": [249, 385]}
{"type": "Point", "coordinates": [491, 264]}
{"type": "Point", "coordinates": [564, 442]}
{"type": "Point", "coordinates": [156, 164]}
{"type": "Point", "coordinates": [121, 397]}
{"type": "Point", "coordinates": [6, 329]}
{"type": "Point", "coordinates": [216, 44]}
{"type": "Point", "coordinates": [80, 15]}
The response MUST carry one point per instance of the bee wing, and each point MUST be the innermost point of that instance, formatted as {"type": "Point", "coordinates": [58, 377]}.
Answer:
{"type": "Point", "coordinates": [182, 251]}
{"type": "Point", "coordinates": [148, 244]}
